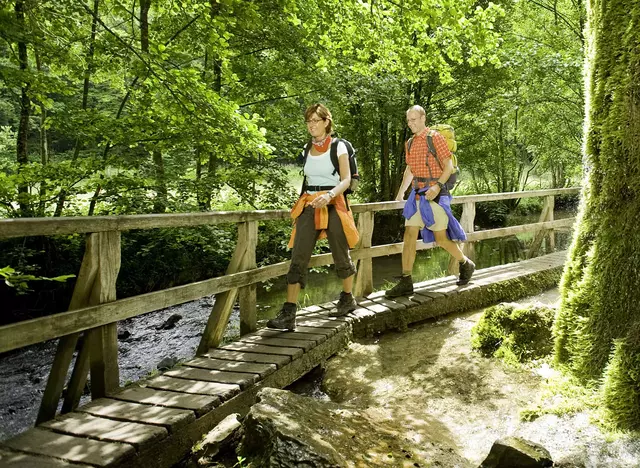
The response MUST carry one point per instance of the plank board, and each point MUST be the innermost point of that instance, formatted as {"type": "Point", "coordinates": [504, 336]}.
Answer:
{"type": "Point", "coordinates": [171, 418]}
{"type": "Point", "coordinates": [374, 306]}
{"type": "Point", "coordinates": [232, 355]}
{"type": "Point", "coordinates": [256, 348]}
{"type": "Point", "coordinates": [299, 334]}
{"type": "Point", "coordinates": [140, 436]}
{"type": "Point", "coordinates": [22, 460]}
{"type": "Point", "coordinates": [201, 404]}
{"type": "Point", "coordinates": [191, 386]}
{"type": "Point", "coordinates": [240, 379]}
{"type": "Point", "coordinates": [284, 342]}
{"type": "Point", "coordinates": [390, 303]}
{"type": "Point", "coordinates": [318, 322]}
{"type": "Point", "coordinates": [66, 447]}
{"type": "Point", "coordinates": [232, 366]}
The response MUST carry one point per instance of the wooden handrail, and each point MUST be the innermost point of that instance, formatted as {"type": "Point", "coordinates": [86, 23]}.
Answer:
{"type": "Point", "coordinates": [20, 334]}
{"type": "Point", "coordinates": [24, 227]}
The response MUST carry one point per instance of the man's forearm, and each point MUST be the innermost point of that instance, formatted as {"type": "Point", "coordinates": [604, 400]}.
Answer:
{"type": "Point", "coordinates": [406, 181]}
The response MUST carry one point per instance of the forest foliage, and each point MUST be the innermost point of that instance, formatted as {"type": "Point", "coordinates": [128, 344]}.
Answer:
{"type": "Point", "coordinates": [112, 108]}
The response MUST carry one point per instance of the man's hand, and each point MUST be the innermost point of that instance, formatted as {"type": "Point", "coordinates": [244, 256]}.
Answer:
{"type": "Point", "coordinates": [432, 193]}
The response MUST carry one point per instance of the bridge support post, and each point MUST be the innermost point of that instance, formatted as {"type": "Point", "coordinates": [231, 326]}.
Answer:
{"type": "Point", "coordinates": [546, 215]}
{"type": "Point", "coordinates": [96, 284]}
{"type": "Point", "coordinates": [219, 317]}
{"type": "Point", "coordinates": [364, 277]}
{"type": "Point", "coordinates": [248, 294]}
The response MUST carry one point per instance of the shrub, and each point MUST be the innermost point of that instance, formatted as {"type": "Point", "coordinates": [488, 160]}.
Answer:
{"type": "Point", "coordinates": [514, 333]}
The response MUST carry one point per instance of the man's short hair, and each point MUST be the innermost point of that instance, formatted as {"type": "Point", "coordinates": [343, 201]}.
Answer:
{"type": "Point", "coordinates": [417, 109]}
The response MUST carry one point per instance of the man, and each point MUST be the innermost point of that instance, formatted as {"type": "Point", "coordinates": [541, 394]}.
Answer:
{"type": "Point", "coordinates": [428, 207]}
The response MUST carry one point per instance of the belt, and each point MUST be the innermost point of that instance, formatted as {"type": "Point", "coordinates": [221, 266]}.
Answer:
{"type": "Point", "coordinates": [319, 188]}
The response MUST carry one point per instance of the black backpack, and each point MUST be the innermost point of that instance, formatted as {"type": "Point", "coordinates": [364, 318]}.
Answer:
{"type": "Point", "coordinates": [353, 164]}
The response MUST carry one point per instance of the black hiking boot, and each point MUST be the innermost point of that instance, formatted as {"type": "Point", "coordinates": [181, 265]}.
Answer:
{"type": "Point", "coordinates": [346, 304]}
{"type": "Point", "coordinates": [286, 319]}
{"type": "Point", "coordinates": [403, 288]}
{"type": "Point", "coordinates": [466, 271]}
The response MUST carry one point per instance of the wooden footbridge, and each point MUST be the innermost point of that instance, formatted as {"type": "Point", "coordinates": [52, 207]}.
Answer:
{"type": "Point", "coordinates": [154, 423]}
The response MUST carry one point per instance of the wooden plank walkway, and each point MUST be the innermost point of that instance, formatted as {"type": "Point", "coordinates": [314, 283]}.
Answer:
{"type": "Point", "coordinates": [156, 422]}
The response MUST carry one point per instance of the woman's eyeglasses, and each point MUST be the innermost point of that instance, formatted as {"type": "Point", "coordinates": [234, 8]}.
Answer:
{"type": "Point", "coordinates": [313, 121]}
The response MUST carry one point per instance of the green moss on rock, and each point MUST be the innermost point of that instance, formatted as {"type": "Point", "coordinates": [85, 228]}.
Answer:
{"type": "Point", "coordinates": [514, 333]}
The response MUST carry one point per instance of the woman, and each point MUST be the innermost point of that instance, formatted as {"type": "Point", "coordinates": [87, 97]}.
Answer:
{"type": "Point", "coordinates": [321, 211]}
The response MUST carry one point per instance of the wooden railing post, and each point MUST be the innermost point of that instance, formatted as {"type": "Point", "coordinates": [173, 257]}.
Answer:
{"type": "Point", "coordinates": [96, 284]}
{"type": "Point", "coordinates": [550, 201]}
{"type": "Point", "coordinates": [546, 215]}
{"type": "Point", "coordinates": [364, 277]}
{"type": "Point", "coordinates": [247, 294]}
{"type": "Point", "coordinates": [467, 221]}
{"type": "Point", "coordinates": [219, 317]}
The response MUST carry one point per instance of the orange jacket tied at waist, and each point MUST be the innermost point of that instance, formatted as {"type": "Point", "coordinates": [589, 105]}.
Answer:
{"type": "Point", "coordinates": [322, 217]}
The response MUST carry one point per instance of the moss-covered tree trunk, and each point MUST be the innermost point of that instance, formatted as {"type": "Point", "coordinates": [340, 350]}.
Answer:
{"type": "Point", "coordinates": [598, 323]}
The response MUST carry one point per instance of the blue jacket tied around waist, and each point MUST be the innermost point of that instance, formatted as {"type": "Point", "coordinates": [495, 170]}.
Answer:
{"type": "Point", "coordinates": [454, 229]}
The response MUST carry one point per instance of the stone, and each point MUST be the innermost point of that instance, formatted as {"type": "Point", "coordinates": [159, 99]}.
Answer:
{"type": "Point", "coordinates": [170, 322]}
{"type": "Point", "coordinates": [517, 452]}
{"type": "Point", "coordinates": [167, 363]}
{"type": "Point", "coordinates": [218, 439]}
{"type": "Point", "coordinates": [286, 430]}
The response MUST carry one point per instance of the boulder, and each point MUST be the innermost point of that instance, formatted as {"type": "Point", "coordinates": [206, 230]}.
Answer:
{"type": "Point", "coordinates": [217, 440]}
{"type": "Point", "coordinates": [516, 452]}
{"type": "Point", "coordinates": [286, 430]}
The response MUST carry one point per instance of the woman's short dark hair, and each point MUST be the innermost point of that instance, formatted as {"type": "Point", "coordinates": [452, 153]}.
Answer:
{"type": "Point", "coordinates": [322, 112]}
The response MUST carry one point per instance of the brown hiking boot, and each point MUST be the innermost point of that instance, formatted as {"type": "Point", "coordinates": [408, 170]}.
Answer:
{"type": "Point", "coordinates": [403, 288]}
{"type": "Point", "coordinates": [466, 271]}
{"type": "Point", "coordinates": [346, 304]}
{"type": "Point", "coordinates": [286, 319]}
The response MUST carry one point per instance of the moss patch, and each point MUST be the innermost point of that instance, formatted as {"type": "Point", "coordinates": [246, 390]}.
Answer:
{"type": "Point", "coordinates": [514, 333]}
{"type": "Point", "coordinates": [621, 387]}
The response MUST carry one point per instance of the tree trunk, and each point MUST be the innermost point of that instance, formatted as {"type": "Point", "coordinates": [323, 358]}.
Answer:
{"type": "Point", "coordinates": [160, 202]}
{"type": "Point", "coordinates": [212, 165]}
{"type": "Point", "coordinates": [598, 323]}
{"type": "Point", "coordinates": [384, 158]}
{"type": "Point", "coordinates": [44, 149]}
{"type": "Point", "coordinates": [22, 154]}
{"type": "Point", "coordinates": [62, 197]}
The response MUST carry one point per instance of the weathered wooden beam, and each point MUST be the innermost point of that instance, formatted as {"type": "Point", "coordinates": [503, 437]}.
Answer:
{"type": "Point", "coordinates": [219, 317]}
{"type": "Point", "coordinates": [24, 227]}
{"type": "Point", "coordinates": [247, 295]}
{"type": "Point", "coordinates": [96, 284]}
{"type": "Point", "coordinates": [364, 277]}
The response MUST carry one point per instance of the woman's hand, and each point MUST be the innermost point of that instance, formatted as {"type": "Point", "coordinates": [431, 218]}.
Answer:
{"type": "Point", "coordinates": [322, 200]}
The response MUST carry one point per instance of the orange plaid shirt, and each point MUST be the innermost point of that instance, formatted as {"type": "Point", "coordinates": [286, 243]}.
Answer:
{"type": "Point", "coordinates": [417, 158]}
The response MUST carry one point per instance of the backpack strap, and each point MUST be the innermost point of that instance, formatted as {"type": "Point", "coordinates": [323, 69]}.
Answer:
{"type": "Point", "coordinates": [432, 148]}
{"type": "Point", "coordinates": [333, 154]}
{"type": "Point", "coordinates": [305, 154]}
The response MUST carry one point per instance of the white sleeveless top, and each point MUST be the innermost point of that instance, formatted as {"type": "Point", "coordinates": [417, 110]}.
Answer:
{"type": "Point", "coordinates": [319, 169]}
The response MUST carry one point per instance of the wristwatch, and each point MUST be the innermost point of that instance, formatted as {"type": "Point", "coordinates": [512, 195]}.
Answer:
{"type": "Point", "coordinates": [332, 194]}
{"type": "Point", "coordinates": [440, 184]}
